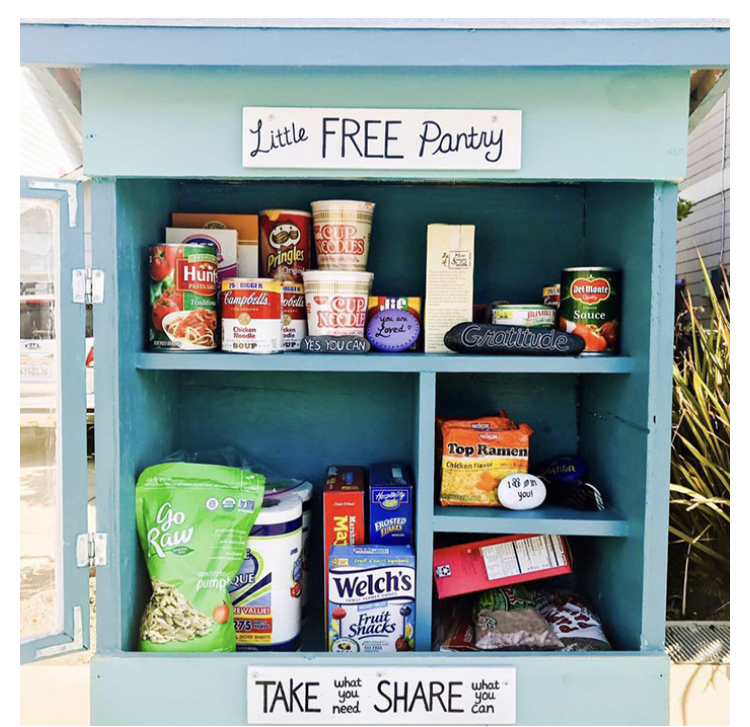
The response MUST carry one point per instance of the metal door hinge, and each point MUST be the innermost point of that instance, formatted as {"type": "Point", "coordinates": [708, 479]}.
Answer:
{"type": "Point", "coordinates": [88, 285]}
{"type": "Point", "coordinates": [91, 550]}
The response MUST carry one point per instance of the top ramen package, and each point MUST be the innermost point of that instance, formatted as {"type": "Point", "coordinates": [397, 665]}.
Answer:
{"type": "Point", "coordinates": [477, 455]}
{"type": "Point", "coordinates": [193, 521]}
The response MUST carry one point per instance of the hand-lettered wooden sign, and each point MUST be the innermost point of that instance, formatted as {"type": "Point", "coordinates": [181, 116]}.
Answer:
{"type": "Point", "coordinates": [518, 340]}
{"type": "Point", "coordinates": [322, 138]}
{"type": "Point", "coordinates": [334, 344]}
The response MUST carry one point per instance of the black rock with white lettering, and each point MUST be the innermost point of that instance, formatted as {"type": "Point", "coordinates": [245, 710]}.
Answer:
{"type": "Point", "coordinates": [510, 340]}
{"type": "Point", "coordinates": [334, 344]}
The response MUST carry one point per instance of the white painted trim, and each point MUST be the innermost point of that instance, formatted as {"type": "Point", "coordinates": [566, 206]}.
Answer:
{"type": "Point", "coordinates": [708, 187]}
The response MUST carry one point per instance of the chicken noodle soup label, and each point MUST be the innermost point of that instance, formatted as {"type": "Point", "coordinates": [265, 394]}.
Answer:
{"type": "Point", "coordinates": [251, 320]}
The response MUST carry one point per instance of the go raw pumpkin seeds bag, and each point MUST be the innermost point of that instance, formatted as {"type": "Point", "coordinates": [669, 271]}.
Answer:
{"type": "Point", "coordinates": [193, 523]}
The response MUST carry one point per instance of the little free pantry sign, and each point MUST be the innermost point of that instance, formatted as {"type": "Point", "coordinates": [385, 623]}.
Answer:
{"type": "Point", "coordinates": [434, 139]}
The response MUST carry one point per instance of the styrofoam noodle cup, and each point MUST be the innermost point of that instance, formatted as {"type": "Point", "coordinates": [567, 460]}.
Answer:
{"type": "Point", "coordinates": [336, 302]}
{"type": "Point", "coordinates": [342, 233]}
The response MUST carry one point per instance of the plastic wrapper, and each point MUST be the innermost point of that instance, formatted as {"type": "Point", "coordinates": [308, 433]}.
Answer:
{"type": "Point", "coordinates": [505, 618]}
{"type": "Point", "coordinates": [573, 621]}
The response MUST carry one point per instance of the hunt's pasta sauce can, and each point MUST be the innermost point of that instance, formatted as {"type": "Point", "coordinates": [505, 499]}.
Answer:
{"type": "Point", "coordinates": [590, 307]}
{"type": "Point", "coordinates": [251, 316]}
{"type": "Point", "coordinates": [182, 296]}
{"type": "Point", "coordinates": [284, 244]}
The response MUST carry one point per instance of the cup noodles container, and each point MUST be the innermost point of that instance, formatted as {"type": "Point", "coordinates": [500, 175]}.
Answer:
{"type": "Point", "coordinates": [336, 302]}
{"type": "Point", "coordinates": [294, 315]}
{"type": "Point", "coordinates": [284, 244]}
{"type": "Point", "coordinates": [390, 499]}
{"type": "Point", "coordinates": [371, 601]}
{"type": "Point", "coordinates": [500, 561]}
{"type": "Point", "coordinates": [342, 233]}
{"type": "Point", "coordinates": [225, 241]}
{"type": "Point", "coordinates": [343, 509]}
{"type": "Point", "coordinates": [247, 237]}
{"type": "Point", "coordinates": [251, 315]}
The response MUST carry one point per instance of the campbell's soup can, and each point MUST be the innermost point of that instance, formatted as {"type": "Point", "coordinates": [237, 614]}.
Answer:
{"type": "Point", "coordinates": [284, 244]}
{"type": "Point", "coordinates": [251, 315]}
{"type": "Point", "coordinates": [551, 295]}
{"type": "Point", "coordinates": [183, 296]}
{"type": "Point", "coordinates": [590, 307]}
{"type": "Point", "coordinates": [294, 315]}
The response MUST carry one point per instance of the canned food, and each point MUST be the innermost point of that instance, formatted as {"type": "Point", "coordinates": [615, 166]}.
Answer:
{"type": "Point", "coordinates": [251, 315]}
{"type": "Point", "coordinates": [294, 315]}
{"type": "Point", "coordinates": [551, 295]}
{"type": "Point", "coordinates": [183, 296]}
{"type": "Point", "coordinates": [531, 316]}
{"type": "Point", "coordinates": [590, 307]}
{"type": "Point", "coordinates": [284, 244]}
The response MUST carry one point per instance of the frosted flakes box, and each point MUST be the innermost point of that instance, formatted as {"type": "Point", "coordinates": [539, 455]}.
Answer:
{"type": "Point", "coordinates": [371, 594]}
{"type": "Point", "coordinates": [391, 504]}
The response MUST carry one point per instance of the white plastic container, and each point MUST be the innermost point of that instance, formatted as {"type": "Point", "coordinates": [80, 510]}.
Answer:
{"type": "Point", "coordinates": [304, 490]}
{"type": "Point", "coordinates": [342, 230]}
{"type": "Point", "coordinates": [336, 302]}
{"type": "Point", "coordinates": [266, 593]}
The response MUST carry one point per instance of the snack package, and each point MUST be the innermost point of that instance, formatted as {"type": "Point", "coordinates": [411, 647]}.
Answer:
{"type": "Point", "coordinates": [505, 618]}
{"type": "Point", "coordinates": [477, 455]}
{"type": "Point", "coordinates": [193, 521]}
{"type": "Point", "coordinates": [573, 621]}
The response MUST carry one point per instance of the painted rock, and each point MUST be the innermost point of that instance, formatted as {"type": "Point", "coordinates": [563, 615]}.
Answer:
{"type": "Point", "coordinates": [393, 330]}
{"type": "Point", "coordinates": [521, 492]}
{"type": "Point", "coordinates": [518, 340]}
{"type": "Point", "coordinates": [334, 344]}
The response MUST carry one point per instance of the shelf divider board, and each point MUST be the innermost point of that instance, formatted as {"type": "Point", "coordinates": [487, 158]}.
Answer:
{"type": "Point", "coordinates": [547, 520]}
{"type": "Point", "coordinates": [424, 489]}
{"type": "Point", "coordinates": [385, 362]}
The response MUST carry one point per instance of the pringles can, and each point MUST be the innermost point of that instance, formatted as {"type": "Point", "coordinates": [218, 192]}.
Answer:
{"type": "Point", "coordinates": [251, 315]}
{"type": "Point", "coordinates": [284, 244]}
{"type": "Point", "coordinates": [590, 307]}
{"type": "Point", "coordinates": [182, 296]}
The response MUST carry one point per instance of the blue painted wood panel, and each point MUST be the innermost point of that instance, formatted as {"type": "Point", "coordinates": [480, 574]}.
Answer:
{"type": "Point", "coordinates": [569, 689]}
{"type": "Point", "coordinates": [70, 45]}
{"type": "Point", "coordinates": [577, 123]}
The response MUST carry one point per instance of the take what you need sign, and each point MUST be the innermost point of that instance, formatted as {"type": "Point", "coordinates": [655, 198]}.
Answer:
{"type": "Point", "coordinates": [371, 695]}
{"type": "Point", "coordinates": [434, 139]}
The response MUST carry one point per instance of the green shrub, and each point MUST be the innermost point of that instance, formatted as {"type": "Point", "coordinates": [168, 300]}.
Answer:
{"type": "Point", "coordinates": [699, 489]}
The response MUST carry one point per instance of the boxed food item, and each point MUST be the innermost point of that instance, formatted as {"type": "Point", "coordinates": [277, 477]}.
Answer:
{"type": "Point", "coordinates": [343, 509]}
{"type": "Point", "coordinates": [225, 240]}
{"type": "Point", "coordinates": [477, 455]}
{"type": "Point", "coordinates": [411, 305]}
{"type": "Point", "coordinates": [247, 235]}
{"type": "Point", "coordinates": [371, 595]}
{"type": "Point", "coordinates": [450, 282]}
{"type": "Point", "coordinates": [391, 504]}
{"type": "Point", "coordinates": [499, 561]}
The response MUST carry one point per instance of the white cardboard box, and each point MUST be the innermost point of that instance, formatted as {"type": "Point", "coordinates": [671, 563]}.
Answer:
{"type": "Point", "coordinates": [449, 293]}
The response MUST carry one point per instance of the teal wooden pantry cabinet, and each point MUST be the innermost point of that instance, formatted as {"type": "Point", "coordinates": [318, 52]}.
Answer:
{"type": "Point", "coordinates": [587, 176]}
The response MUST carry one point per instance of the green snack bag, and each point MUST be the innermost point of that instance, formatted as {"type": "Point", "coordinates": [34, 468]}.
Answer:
{"type": "Point", "coordinates": [193, 522]}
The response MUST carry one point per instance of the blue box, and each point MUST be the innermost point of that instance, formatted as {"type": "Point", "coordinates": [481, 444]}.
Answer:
{"type": "Point", "coordinates": [391, 504]}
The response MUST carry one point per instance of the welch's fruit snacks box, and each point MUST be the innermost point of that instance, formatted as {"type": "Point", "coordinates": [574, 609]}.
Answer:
{"type": "Point", "coordinates": [391, 504]}
{"type": "Point", "coordinates": [371, 591]}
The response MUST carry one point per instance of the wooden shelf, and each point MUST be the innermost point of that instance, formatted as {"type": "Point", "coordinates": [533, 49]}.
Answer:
{"type": "Point", "coordinates": [548, 519]}
{"type": "Point", "coordinates": [385, 362]}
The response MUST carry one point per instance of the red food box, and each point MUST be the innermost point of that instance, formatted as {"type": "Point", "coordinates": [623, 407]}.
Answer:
{"type": "Point", "coordinates": [343, 510]}
{"type": "Point", "coordinates": [499, 562]}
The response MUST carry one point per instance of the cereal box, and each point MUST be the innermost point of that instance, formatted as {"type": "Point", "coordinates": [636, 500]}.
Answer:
{"type": "Point", "coordinates": [247, 236]}
{"type": "Point", "coordinates": [412, 305]}
{"type": "Point", "coordinates": [371, 598]}
{"type": "Point", "coordinates": [343, 509]}
{"type": "Point", "coordinates": [450, 282]}
{"type": "Point", "coordinates": [499, 561]}
{"type": "Point", "coordinates": [391, 504]}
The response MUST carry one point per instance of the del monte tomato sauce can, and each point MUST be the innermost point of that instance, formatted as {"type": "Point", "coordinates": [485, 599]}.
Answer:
{"type": "Point", "coordinates": [590, 307]}
{"type": "Point", "coordinates": [182, 296]}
